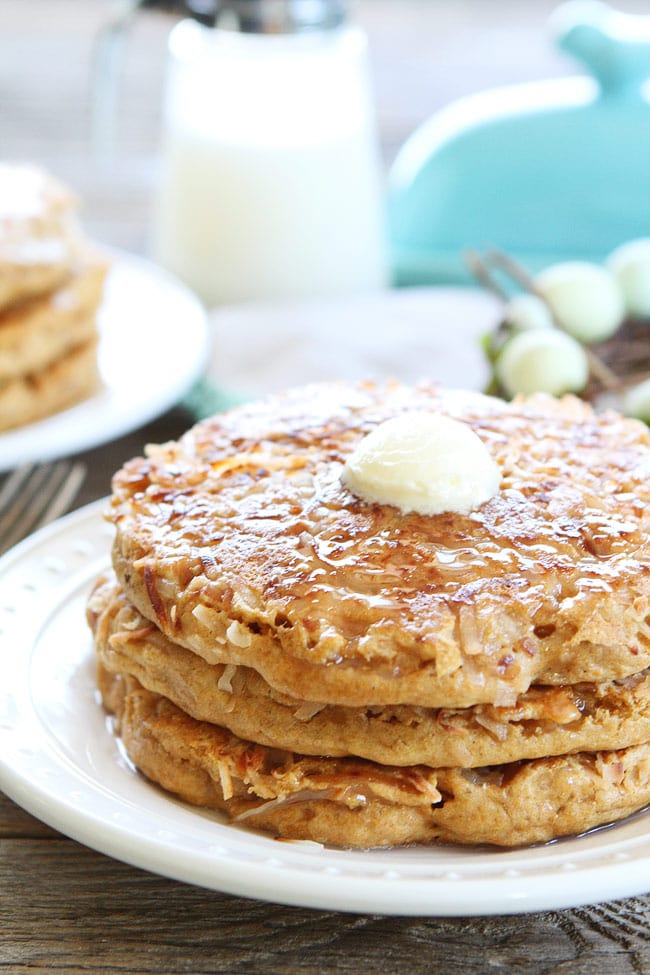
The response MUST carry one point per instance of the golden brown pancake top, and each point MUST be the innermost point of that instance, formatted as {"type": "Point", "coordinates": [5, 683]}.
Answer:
{"type": "Point", "coordinates": [245, 521]}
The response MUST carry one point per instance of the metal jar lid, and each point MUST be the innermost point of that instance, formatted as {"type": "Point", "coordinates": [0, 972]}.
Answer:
{"type": "Point", "coordinates": [269, 16]}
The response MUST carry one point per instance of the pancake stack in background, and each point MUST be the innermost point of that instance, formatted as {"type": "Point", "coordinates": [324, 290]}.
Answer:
{"type": "Point", "coordinates": [50, 288]}
{"type": "Point", "coordinates": [331, 669]}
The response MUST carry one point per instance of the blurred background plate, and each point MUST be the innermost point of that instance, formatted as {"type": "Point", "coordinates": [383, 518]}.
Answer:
{"type": "Point", "coordinates": [408, 334]}
{"type": "Point", "coordinates": [153, 345]}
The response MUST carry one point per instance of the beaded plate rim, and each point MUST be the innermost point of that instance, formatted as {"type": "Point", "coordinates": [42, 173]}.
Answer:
{"type": "Point", "coordinates": [59, 761]}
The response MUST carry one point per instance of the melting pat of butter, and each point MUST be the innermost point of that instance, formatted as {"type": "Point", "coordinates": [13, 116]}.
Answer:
{"type": "Point", "coordinates": [423, 462]}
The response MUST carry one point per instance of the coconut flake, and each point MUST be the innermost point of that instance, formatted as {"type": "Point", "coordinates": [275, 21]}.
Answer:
{"type": "Point", "coordinates": [204, 615]}
{"type": "Point", "coordinates": [496, 728]}
{"type": "Point", "coordinates": [225, 681]}
{"type": "Point", "coordinates": [225, 779]}
{"type": "Point", "coordinates": [303, 796]}
{"type": "Point", "coordinates": [307, 711]}
{"type": "Point", "coordinates": [238, 634]}
{"type": "Point", "coordinates": [611, 772]}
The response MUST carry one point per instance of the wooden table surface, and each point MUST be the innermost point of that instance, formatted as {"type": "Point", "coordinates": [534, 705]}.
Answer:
{"type": "Point", "coordinates": [64, 907]}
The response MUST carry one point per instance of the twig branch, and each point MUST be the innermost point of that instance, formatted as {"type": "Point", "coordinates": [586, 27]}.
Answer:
{"type": "Point", "coordinates": [477, 266]}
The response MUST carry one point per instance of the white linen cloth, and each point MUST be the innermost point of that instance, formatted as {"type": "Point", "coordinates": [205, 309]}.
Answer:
{"type": "Point", "coordinates": [409, 334]}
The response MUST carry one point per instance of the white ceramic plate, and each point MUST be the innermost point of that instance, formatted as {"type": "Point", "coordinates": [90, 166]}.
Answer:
{"type": "Point", "coordinates": [153, 345]}
{"type": "Point", "coordinates": [59, 760]}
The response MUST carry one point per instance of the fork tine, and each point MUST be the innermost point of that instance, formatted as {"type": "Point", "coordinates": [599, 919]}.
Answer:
{"type": "Point", "coordinates": [37, 498]}
{"type": "Point", "coordinates": [19, 498]}
{"type": "Point", "coordinates": [62, 498]}
{"type": "Point", "coordinates": [13, 483]}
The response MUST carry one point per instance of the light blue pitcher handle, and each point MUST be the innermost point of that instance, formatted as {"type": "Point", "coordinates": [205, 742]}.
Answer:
{"type": "Point", "coordinates": [614, 46]}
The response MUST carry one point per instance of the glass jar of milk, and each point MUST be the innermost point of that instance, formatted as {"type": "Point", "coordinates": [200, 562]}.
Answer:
{"type": "Point", "coordinates": [271, 184]}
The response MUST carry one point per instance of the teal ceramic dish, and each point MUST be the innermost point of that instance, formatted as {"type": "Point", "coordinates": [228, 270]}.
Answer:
{"type": "Point", "coordinates": [548, 171]}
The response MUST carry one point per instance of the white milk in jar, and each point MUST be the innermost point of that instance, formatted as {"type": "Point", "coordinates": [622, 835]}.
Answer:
{"type": "Point", "coordinates": [271, 185]}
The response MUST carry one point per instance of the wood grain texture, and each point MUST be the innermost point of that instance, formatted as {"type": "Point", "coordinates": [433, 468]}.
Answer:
{"type": "Point", "coordinates": [17, 824]}
{"type": "Point", "coordinates": [67, 909]}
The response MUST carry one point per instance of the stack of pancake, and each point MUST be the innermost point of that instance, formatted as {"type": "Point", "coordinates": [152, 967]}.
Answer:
{"type": "Point", "coordinates": [50, 289]}
{"type": "Point", "coordinates": [329, 669]}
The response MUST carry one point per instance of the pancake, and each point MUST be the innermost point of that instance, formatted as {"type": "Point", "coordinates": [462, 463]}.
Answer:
{"type": "Point", "coordinates": [355, 803]}
{"type": "Point", "coordinates": [242, 545]}
{"type": "Point", "coordinates": [543, 721]}
{"type": "Point", "coordinates": [40, 238]}
{"type": "Point", "coordinates": [38, 332]}
{"type": "Point", "coordinates": [65, 382]}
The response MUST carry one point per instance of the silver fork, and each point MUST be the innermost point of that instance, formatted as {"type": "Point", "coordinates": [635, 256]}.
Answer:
{"type": "Point", "coordinates": [31, 497]}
